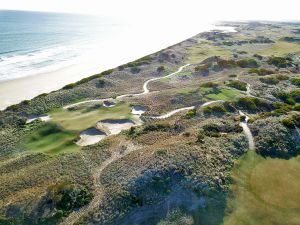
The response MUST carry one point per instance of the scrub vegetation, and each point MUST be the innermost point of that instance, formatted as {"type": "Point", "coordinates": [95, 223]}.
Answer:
{"type": "Point", "coordinates": [186, 160]}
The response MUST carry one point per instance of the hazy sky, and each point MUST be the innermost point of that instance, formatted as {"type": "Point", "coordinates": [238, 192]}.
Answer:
{"type": "Point", "coordinates": [175, 10]}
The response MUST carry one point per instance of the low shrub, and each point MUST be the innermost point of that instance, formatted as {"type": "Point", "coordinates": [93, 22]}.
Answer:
{"type": "Point", "coordinates": [279, 62]}
{"type": "Point", "coordinates": [209, 85]}
{"type": "Point", "coordinates": [69, 86]}
{"type": "Point", "coordinates": [157, 127]}
{"type": "Point", "coordinates": [295, 94]}
{"type": "Point", "coordinates": [285, 97]}
{"type": "Point", "coordinates": [258, 56]}
{"type": "Point", "coordinates": [202, 69]}
{"type": "Point", "coordinates": [297, 107]}
{"type": "Point", "coordinates": [68, 197]}
{"type": "Point", "coordinates": [135, 70]}
{"type": "Point", "coordinates": [200, 137]}
{"type": "Point", "coordinates": [211, 130]}
{"type": "Point", "coordinates": [226, 64]}
{"type": "Point", "coordinates": [296, 81]}
{"type": "Point", "coordinates": [247, 63]}
{"type": "Point", "coordinates": [215, 109]}
{"type": "Point", "coordinates": [269, 80]}
{"type": "Point", "coordinates": [142, 61]}
{"type": "Point", "coordinates": [107, 72]}
{"type": "Point", "coordinates": [282, 77]}
{"type": "Point", "coordinates": [238, 85]}
{"type": "Point", "coordinates": [261, 72]}
{"type": "Point", "coordinates": [190, 114]}
{"type": "Point", "coordinates": [288, 122]}
{"type": "Point", "coordinates": [161, 69]}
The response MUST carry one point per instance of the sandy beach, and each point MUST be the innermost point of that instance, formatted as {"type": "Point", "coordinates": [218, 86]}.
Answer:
{"type": "Point", "coordinates": [16, 90]}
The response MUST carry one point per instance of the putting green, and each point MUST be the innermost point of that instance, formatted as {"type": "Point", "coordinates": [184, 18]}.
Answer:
{"type": "Point", "coordinates": [86, 117]}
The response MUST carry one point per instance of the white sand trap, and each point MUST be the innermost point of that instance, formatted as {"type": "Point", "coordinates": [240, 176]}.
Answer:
{"type": "Point", "coordinates": [90, 136]}
{"type": "Point", "coordinates": [115, 126]}
{"type": "Point", "coordinates": [35, 117]}
{"type": "Point", "coordinates": [138, 110]}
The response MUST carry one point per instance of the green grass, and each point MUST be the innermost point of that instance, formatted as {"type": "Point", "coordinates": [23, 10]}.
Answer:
{"type": "Point", "coordinates": [81, 119]}
{"type": "Point", "coordinates": [51, 139]}
{"type": "Point", "coordinates": [219, 93]}
{"type": "Point", "coordinates": [280, 48]}
{"type": "Point", "coordinates": [265, 191]}
{"type": "Point", "coordinates": [185, 91]}
{"type": "Point", "coordinates": [185, 73]}
{"type": "Point", "coordinates": [204, 50]}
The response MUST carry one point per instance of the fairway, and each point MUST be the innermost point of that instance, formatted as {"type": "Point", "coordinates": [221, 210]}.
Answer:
{"type": "Point", "coordinates": [265, 191]}
{"type": "Point", "coordinates": [51, 139]}
{"type": "Point", "coordinates": [280, 48]}
{"type": "Point", "coordinates": [205, 50]}
{"type": "Point", "coordinates": [81, 118]}
{"type": "Point", "coordinates": [224, 94]}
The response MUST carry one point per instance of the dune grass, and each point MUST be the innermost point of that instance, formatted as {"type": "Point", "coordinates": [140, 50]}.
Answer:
{"type": "Point", "coordinates": [224, 94]}
{"type": "Point", "coordinates": [265, 191]}
{"type": "Point", "coordinates": [204, 50]}
{"type": "Point", "coordinates": [51, 139]}
{"type": "Point", "coordinates": [280, 48]}
{"type": "Point", "coordinates": [81, 118]}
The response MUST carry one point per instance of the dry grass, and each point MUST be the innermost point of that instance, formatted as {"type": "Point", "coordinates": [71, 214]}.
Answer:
{"type": "Point", "coordinates": [205, 50]}
{"type": "Point", "coordinates": [280, 48]}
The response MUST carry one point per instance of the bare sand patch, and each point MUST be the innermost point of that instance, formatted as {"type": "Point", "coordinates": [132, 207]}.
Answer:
{"type": "Point", "coordinates": [90, 136]}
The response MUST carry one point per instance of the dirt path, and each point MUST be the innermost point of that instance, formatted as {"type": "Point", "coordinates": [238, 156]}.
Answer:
{"type": "Point", "coordinates": [167, 115]}
{"type": "Point", "coordinates": [145, 90]}
{"type": "Point", "coordinates": [164, 116]}
{"type": "Point", "coordinates": [247, 131]}
{"type": "Point", "coordinates": [99, 190]}
{"type": "Point", "coordinates": [244, 124]}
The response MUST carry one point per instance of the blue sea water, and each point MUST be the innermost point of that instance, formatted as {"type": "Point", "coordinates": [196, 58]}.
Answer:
{"type": "Point", "coordinates": [35, 42]}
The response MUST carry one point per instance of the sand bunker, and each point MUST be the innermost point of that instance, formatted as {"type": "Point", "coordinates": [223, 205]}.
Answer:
{"type": "Point", "coordinates": [90, 136]}
{"type": "Point", "coordinates": [35, 117]}
{"type": "Point", "coordinates": [138, 110]}
{"type": "Point", "coordinates": [115, 126]}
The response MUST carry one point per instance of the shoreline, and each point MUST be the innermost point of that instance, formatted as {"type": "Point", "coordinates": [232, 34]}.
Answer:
{"type": "Point", "coordinates": [13, 91]}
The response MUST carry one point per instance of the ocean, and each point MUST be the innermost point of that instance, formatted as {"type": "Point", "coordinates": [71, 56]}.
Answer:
{"type": "Point", "coordinates": [34, 42]}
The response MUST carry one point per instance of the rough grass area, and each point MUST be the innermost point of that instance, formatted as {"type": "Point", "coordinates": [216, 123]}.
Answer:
{"type": "Point", "coordinates": [280, 48]}
{"type": "Point", "coordinates": [265, 191]}
{"type": "Point", "coordinates": [220, 93]}
{"type": "Point", "coordinates": [51, 139]}
{"type": "Point", "coordinates": [205, 50]}
{"type": "Point", "coordinates": [81, 118]}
